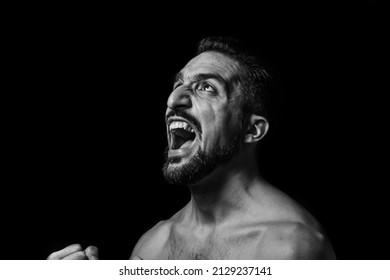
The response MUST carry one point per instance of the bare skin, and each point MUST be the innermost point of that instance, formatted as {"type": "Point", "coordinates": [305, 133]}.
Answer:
{"type": "Point", "coordinates": [233, 212]}
{"type": "Point", "coordinates": [75, 252]}
{"type": "Point", "coordinates": [267, 225]}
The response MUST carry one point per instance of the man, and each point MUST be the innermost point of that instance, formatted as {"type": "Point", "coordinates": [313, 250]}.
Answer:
{"type": "Point", "coordinates": [215, 119]}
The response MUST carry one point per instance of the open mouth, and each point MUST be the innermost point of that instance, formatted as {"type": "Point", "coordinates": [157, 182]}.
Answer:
{"type": "Point", "coordinates": [181, 134]}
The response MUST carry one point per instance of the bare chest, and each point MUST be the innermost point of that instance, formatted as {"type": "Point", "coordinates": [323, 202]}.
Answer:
{"type": "Point", "coordinates": [185, 244]}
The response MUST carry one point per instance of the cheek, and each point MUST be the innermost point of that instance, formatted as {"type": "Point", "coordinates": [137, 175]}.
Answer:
{"type": "Point", "coordinates": [206, 114]}
{"type": "Point", "coordinates": [219, 127]}
{"type": "Point", "coordinates": [210, 123]}
{"type": "Point", "coordinates": [219, 123]}
{"type": "Point", "coordinates": [231, 124]}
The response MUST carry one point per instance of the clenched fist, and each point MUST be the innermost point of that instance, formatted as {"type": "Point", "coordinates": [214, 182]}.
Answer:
{"type": "Point", "coordinates": [75, 252]}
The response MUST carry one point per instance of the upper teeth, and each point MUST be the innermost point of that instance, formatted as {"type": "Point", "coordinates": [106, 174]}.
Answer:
{"type": "Point", "coordinates": [179, 124]}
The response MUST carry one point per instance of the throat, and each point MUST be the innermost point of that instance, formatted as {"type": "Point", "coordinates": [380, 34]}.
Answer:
{"type": "Point", "coordinates": [181, 138]}
{"type": "Point", "coordinates": [220, 197]}
{"type": "Point", "coordinates": [179, 142]}
{"type": "Point", "coordinates": [212, 212]}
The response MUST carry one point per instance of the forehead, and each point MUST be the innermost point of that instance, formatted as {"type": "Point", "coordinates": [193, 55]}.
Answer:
{"type": "Point", "coordinates": [211, 62]}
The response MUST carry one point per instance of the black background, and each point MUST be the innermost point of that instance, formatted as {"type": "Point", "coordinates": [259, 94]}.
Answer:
{"type": "Point", "coordinates": [84, 105]}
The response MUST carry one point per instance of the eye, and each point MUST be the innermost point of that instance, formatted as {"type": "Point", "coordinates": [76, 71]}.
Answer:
{"type": "Point", "coordinates": [205, 87]}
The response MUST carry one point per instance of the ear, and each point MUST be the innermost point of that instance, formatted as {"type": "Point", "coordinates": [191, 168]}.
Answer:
{"type": "Point", "coordinates": [257, 129]}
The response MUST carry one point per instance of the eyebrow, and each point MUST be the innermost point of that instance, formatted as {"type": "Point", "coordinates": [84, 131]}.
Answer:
{"type": "Point", "coordinates": [201, 76]}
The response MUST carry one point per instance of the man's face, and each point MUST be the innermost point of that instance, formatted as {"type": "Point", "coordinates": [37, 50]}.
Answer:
{"type": "Point", "coordinates": [203, 118]}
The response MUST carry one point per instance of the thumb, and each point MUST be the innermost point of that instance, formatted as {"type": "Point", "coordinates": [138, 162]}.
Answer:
{"type": "Point", "coordinates": [92, 253]}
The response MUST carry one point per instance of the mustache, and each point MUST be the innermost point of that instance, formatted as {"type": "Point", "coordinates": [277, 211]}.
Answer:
{"type": "Point", "coordinates": [185, 115]}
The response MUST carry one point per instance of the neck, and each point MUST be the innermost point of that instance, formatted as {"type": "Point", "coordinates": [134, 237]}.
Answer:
{"type": "Point", "coordinates": [226, 191]}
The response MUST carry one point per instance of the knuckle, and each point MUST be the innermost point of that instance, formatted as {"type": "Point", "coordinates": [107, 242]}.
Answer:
{"type": "Point", "coordinates": [92, 252]}
{"type": "Point", "coordinates": [76, 256]}
{"type": "Point", "coordinates": [66, 252]}
{"type": "Point", "coordinates": [76, 247]}
{"type": "Point", "coordinates": [91, 248]}
{"type": "Point", "coordinates": [80, 256]}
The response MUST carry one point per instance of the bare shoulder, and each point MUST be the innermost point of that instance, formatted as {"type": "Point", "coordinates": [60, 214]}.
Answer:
{"type": "Point", "coordinates": [291, 232]}
{"type": "Point", "coordinates": [295, 240]}
{"type": "Point", "coordinates": [151, 243]}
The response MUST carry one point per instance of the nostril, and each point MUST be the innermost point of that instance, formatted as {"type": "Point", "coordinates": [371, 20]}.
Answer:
{"type": "Point", "coordinates": [179, 98]}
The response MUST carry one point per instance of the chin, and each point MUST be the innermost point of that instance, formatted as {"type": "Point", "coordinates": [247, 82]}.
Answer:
{"type": "Point", "coordinates": [182, 169]}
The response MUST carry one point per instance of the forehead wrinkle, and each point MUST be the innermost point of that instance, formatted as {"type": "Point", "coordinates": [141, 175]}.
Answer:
{"type": "Point", "coordinates": [177, 77]}
{"type": "Point", "coordinates": [228, 84]}
{"type": "Point", "coordinates": [224, 65]}
{"type": "Point", "coordinates": [228, 65]}
{"type": "Point", "coordinates": [214, 60]}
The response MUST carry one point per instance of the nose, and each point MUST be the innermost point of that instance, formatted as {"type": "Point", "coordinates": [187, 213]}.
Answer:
{"type": "Point", "coordinates": [179, 98]}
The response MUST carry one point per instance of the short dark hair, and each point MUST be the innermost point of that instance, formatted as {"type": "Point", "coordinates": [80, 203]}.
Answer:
{"type": "Point", "coordinates": [252, 77]}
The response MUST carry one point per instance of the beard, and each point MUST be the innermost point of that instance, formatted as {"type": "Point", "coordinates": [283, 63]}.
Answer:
{"type": "Point", "coordinates": [200, 165]}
